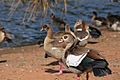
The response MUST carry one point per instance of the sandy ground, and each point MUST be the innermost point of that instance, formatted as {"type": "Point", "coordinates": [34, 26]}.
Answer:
{"type": "Point", "coordinates": [28, 63]}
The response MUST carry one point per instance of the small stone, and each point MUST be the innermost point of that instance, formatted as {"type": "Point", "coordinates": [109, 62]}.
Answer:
{"type": "Point", "coordinates": [6, 65]}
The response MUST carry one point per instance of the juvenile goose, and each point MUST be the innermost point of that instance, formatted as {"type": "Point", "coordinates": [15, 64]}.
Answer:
{"type": "Point", "coordinates": [53, 45]}
{"type": "Point", "coordinates": [4, 36]}
{"type": "Point", "coordinates": [83, 60]}
{"type": "Point", "coordinates": [60, 23]}
{"type": "Point", "coordinates": [99, 21]}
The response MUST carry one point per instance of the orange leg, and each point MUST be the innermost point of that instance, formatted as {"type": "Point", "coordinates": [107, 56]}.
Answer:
{"type": "Point", "coordinates": [60, 69]}
{"type": "Point", "coordinates": [78, 77]}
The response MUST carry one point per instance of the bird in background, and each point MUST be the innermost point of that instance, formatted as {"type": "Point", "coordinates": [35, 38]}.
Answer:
{"type": "Point", "coordinates": [98, 20]}
{"type": "Point", "coordinates": [58, 22]}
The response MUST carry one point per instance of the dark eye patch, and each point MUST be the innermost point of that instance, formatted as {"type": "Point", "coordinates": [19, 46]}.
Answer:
{"type": "Point", "coordinates": [65, 37]}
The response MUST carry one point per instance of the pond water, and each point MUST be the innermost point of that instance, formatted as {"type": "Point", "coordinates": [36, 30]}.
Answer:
{"type": "Point", "coordinates": [30, 34]}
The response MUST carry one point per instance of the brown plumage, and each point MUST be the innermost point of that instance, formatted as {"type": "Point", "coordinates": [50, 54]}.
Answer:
{"type": "Point", "coordinates": [99, 21]}
{"type": "Point", "coordinates": [53, 45]}
{"type": "Point", "coordinates": [92, 61]}
{"type": "Point", "coordinates": [81, 32]}
{"type": "Point", "coordinates": [59, 23]}
{"type": "Point", "coordinates": [4, 36]}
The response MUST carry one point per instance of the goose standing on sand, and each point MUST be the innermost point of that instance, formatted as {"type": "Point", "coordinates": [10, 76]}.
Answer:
{"type": "Point", "coordinates": [83, 60]}
{"type": "Point", "coordinates": [53, 41]}
{"type": "Point", "coordinates": [59, 23]}
{"type": "Point", "coordinates": [99, 21]}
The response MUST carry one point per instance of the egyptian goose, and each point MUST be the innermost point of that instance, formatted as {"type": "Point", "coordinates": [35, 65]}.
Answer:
{"type": "Point", "coordinates": [92, 33]}
{"type": "Point", "coordinates": [4, 36]}
{"type": "Point", "coordinates": [98, 21]}
{"type": "Point", "coordinates": [53, 45]}
{"type": "Point", "coordinates": [80, 60]}
{"type": "Point", "coordinates": [81, 32]}
{"type": "Point", "coordinates": [60, 23]}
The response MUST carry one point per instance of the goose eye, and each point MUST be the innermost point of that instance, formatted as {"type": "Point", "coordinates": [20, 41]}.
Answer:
{"type": "Point", "coordinates": [65, 37]}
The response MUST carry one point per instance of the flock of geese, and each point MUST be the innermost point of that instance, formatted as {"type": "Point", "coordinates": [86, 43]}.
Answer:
{"type": "Point", "coordinates": [112, 22]}
{"type": "Point", "coordinates": [69, 46]}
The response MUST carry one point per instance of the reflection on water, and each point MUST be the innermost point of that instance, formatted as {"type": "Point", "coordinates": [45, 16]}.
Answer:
{"type": "Point", "coordinates": [30, 33]}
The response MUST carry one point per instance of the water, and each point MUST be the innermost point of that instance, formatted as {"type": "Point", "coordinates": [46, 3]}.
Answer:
{"type": "Point", "coordinates": [30, 34]}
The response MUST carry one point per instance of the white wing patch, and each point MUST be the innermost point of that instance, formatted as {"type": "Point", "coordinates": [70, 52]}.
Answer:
{"type": "Point", "coordinates": [53, 48]}
{"type": "Point", "coordinates": [79, 29]}
{"type": "Point", "coordinates": [73, 60]}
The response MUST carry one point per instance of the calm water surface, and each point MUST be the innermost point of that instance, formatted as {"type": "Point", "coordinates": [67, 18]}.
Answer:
{"type": "Point", "coordinates": [30, 34]}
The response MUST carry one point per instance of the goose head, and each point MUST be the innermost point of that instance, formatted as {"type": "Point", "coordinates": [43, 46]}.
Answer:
{"type": "Point", "coordinates": [68, 40]}
{"type": "Point", "coordinates": [49, 30]}
{"type": "Point", "coordinates": [80, 26]}
{"type": "Point", "coordinates": [45, 27]}
{"type": "Point", "coordinates": [77, 23]}
{"type": "Point", "coordinates": [52, 16]}
{"type": "Point", "coordinates": [81, 32]}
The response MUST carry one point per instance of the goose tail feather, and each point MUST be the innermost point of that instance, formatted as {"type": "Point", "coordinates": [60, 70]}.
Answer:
{"type": "Point", "coordinates": [100, 68]}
